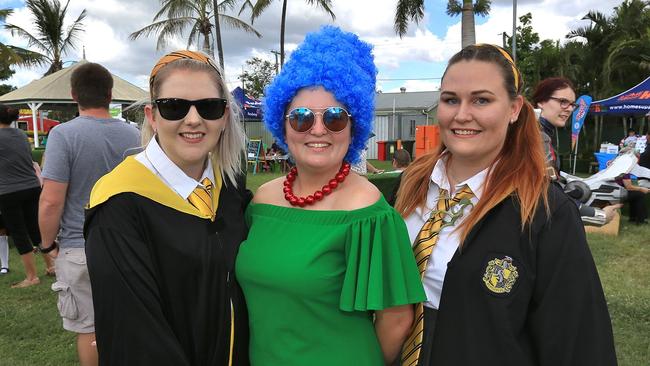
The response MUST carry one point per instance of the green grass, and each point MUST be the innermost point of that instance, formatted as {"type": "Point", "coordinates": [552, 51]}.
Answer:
{"type": "Point", "coordinates": [31, 333]}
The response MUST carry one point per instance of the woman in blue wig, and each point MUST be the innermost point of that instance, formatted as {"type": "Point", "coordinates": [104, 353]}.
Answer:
{"type": "Point", "coordinates": [325, 251]}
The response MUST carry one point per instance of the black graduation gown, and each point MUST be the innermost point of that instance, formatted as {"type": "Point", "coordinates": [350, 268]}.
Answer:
{"type": "Point", "coordinates": [162, 279]}
{"type": "Point", "coordinates": [554, 313]}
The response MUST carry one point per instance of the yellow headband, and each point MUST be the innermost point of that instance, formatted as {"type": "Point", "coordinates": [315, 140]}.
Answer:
{"type": "Point", "coordinates": [179, 55]}
{"type": "Point", "coordinates": [506, 55]}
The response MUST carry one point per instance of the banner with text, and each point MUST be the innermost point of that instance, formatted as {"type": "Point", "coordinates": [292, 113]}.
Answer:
{"type": "Point", "coordinates": [578, 117]}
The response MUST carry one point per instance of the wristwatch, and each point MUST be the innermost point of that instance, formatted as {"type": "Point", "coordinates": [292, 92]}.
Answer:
{"type": "Point", "coordinates": [50, 248]}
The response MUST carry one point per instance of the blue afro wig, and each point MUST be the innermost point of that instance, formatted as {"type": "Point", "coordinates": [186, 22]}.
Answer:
{"type": "Point", "coordinates": [343, 65]}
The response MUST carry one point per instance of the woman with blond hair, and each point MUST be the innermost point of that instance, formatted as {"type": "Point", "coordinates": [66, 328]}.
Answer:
{"type": "Point", "coordinates": [502, 253]}
{"type": "Point", "coordinates": [163, 228]}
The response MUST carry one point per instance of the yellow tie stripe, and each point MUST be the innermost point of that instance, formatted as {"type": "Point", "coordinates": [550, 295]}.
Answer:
{"type": "Point", "coordinates": [201, 198]}
{"type": "Point", "coordinates": [424, 243]}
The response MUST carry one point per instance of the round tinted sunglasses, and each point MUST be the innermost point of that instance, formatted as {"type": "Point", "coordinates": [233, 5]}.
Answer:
{"type": "Point", "coordinates": [302, 119]}
{"type": "Point", "coordinates": [175, 109]}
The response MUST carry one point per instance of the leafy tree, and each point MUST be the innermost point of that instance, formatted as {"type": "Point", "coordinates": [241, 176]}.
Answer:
{"type": "Point", "coordinates": [260, 5]}
{"type": "Point", "coordinates": [5, 73]}
{"type": "Point", "coordinates": [527, 46]}
{"type": "Point", "coordinates": [467, 10]}
{"type": "Point", "coordinates": [51, 39]}
{"type": "Point", "coordinates": [257, 76]}
{"type": "Point", "coordinates": [175, 16]}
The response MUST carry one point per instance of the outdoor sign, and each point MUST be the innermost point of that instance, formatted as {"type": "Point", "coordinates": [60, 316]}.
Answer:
{"type": "Point", "coordinates": [578, 117]}
{"type": "Point", "coordinates": [251, 107]}
{"type": "Point", "coordinates": [635, 101]}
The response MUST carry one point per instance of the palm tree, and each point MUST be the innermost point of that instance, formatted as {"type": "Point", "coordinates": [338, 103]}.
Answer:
{"type": "Point", "coordinates": [467, 11]}
{"type": "Point", "coordinates": [261, 5]}
{"type": "Point", "coordinates": [12, 55]}
{"type": "Point", "coordinates": [628, 59]}
{"type": "Point", "coordinates": [599, 35]}
{"type": "Point", "coordinates": [51, 38]}
{"type": "Point", "coordinates": [176, 15]}
{"type": "Point", "coordinates": [407, 10]}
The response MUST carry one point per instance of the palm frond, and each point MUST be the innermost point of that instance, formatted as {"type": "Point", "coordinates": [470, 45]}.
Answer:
{"type": "Point", "coordinates": [195, 31]}
{"type": "Point", "coordinates": [32, 41]}
{"type": "Point", "coordinates": [228, 5]}
{"type": "Point", "coordinates": [21, 57]}
{"type": "Point", "coordinates": [482, 7]}
{"type": "Point", "coordinates": [454, 8]}
{"type": "Point", "coordinates": [259, 7]}
{"type": "Point", "coordinates": [4, 13]}
{"type": "Point", "coordinates": [177, 25]}
{"type": "Point", "coordinates": [325, 4]}
{"type": "Point", "coordinates": [73, 32]}
{"type": "Point", "coordinates": [244, 5]}
{"type": "Point", "coordinates": [405, 11]}
{"type": "Point", "coordinates": [239, 24]}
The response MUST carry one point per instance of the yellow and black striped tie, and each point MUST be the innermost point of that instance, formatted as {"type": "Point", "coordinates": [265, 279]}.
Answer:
{"type": "Point", "coordinates": [201, 198]}
{"type": "Point", "coordinates": [424, 243]}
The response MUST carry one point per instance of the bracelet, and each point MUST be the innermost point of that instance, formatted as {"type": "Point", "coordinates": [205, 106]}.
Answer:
{"type": "Point", "coordinates": [53, 246]}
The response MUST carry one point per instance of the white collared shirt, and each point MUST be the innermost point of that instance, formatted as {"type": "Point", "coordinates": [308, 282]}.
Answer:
{"type": "Point", "coordinates": [155, 159]}
{"type": "Point", "coordinates": [448, 239]}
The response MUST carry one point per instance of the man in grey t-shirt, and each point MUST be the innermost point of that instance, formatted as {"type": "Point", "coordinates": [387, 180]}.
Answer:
{"type": "Point", "coordinates": [78, 153]}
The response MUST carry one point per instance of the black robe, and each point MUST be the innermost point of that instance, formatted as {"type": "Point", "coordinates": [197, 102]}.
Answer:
{"type": "Point", "coordinates": [552, 312]}
{"type": "Point", "coordinates": [162, 276]}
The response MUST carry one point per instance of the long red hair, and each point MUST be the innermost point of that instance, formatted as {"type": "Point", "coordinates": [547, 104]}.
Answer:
{"type": "Point", "coordinates": [519, 169]}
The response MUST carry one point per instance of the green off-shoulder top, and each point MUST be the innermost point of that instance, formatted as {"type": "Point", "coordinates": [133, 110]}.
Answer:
{"type": "Point", "coordinates": [312, 278]}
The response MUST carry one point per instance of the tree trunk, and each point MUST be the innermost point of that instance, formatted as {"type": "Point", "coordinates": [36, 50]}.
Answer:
{"type": "Point", "coordinates": [282, 24]}
{"type": "Point", "coordinates": [217, 30]}
{"type": "Point", "coordinates": [468, 31]}
{"type": "Point", "coordinates": [206, 43]}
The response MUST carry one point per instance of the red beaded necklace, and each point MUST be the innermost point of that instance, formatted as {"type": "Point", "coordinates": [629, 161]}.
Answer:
{"type": "Point", "coordinates": [318, 195]}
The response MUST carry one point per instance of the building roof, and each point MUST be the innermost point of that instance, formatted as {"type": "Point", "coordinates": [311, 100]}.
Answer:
{"type": "Point", "coordinates": [424, 100]}
{"type": "Point", "coordinates": [55, 89]}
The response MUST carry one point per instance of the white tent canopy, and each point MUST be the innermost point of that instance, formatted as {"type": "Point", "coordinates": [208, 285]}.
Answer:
{"type": "Point", "coordinates": [55, 89]}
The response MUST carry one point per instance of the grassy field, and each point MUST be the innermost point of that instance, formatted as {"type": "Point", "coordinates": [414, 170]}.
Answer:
{"type": "Point", "coordinates": [31, 333]}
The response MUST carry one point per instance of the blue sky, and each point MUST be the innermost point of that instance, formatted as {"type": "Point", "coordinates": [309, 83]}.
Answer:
{"type": "Point", "coordinates": [419, 58]}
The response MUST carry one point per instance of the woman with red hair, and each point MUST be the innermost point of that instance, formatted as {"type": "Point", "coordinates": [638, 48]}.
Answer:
{"type": "Point", "coordinates": [502, 253]}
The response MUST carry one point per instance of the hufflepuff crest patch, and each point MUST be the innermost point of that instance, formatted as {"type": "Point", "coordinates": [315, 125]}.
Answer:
{"type": "Point", "coordinates": [500, 275]}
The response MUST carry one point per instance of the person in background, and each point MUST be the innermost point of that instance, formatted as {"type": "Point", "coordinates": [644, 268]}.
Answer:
{"type": "Point", "coordinates": [629, 140]}
{"type": "Point", "coordinates": [556, 98]}
{"type": "Point", "coordinates": [4, 248]}
{"type": "Point", "coordinates": [19, 192]}
{"type": "Point", "coordinates": [401, 160]}
{"type": "Point", "coordinates": [638, 212]}
{"type": "Point", "coordinates": [644, 158]}
{"type": "Point", "coordinates": [78, 153]}
{"type": "Point", "coordinates": [502, 252]}
{"type": "Point", "coordinates": [325, 253]}
{"type": "Point", "coordinates": [163, 228]}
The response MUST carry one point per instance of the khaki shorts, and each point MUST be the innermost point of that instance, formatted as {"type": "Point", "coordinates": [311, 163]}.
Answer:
{"type": "Point", "coordinates": [73, 286]}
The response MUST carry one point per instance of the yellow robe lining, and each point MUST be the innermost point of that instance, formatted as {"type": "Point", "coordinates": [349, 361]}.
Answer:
{"type": "Point", "coordinates": [132, 176]}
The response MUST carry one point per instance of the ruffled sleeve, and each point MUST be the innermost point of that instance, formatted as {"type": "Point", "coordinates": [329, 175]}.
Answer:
{"type": "Point", "coordinates": [381, 270]}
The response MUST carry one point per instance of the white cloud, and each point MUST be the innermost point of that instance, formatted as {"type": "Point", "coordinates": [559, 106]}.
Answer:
{"type": "Point", "coordinates": [110, 22]}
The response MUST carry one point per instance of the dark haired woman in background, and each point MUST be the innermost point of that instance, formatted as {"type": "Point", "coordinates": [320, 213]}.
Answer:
{"type": "Point", "coordinates": [19, 193]}
{"type": "Point", "coordinates": [556, 98]}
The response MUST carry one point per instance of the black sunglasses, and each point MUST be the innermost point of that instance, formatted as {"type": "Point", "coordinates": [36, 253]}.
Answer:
{"type": "Point", "coordinates": [302, 119]}
{"type": "Point", "coordinates": [175, 109]}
